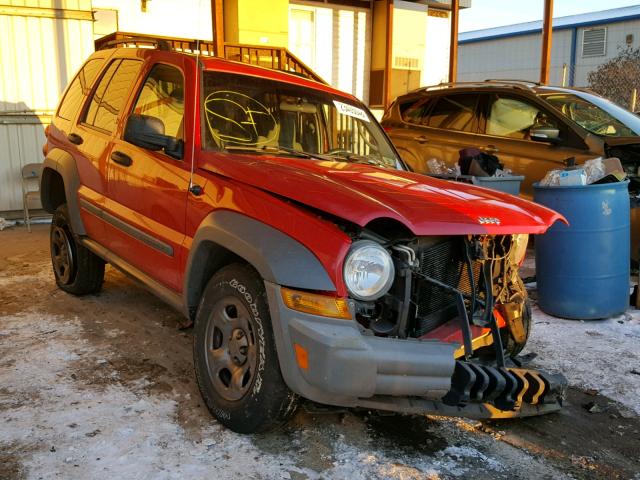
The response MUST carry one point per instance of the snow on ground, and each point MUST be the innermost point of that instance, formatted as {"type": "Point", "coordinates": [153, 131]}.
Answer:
{"type": "Point", "coordinates": [68, 429]}
{"type": "Point", "coordinates": [594, 354]}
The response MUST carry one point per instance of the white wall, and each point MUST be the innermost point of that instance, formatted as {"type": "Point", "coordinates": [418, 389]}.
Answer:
{"type": "Point", "coordinates": [336, 44]}
{"type": "Point", "coordinates": [512, 58]}
{"type": "Point", "coordinates": [39, 57]}
{"type": "Point", "coordinates": [519, 57]}
{"type": "Point", "coordinates": [616, 33]}
{"type": "Point", "coordinates": [436, 54]}
{"type": "Point", "coordinates": [186, 18]}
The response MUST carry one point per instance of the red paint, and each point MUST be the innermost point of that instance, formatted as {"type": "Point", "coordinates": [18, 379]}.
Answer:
{"type": "Point", "coordinates": [450, 332]}
{"type": "Point", "coordinates": [152, 197]}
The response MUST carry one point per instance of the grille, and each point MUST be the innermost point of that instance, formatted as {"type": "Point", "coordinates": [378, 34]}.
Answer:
{"type": "Point", "coordinates": [445, 263]}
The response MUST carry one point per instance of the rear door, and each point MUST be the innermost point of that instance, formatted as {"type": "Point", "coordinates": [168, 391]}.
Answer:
{"type": "Point", "coordinates": [93, 135]}
{"type": "Point", "coordinates": [436, 127]}
{"type": "Point", "coordinates": [147, 189]}
{"type": "Point", "coordinates": [506, 121]}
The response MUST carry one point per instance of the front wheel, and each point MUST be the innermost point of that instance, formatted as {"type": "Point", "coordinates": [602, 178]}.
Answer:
{"type": "Point", "coordinates": [235, 355]}
{"type": "Point", "coordinates": [76, 269]}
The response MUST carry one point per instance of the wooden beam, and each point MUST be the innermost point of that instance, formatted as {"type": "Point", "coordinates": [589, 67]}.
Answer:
{"type": "Point", "coordinates": [217, 25]}
{"type": "Point", "coordinates": [389, 55]}
{"type": "Point", "coordinates": [42, 12]}
{"type": "Point", "coordinates": [547, 30]}
{"type": "Point", "coordinates": [453, 45]}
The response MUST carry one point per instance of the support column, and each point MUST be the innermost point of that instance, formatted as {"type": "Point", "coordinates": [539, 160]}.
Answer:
{"type": "Point", "coordinates": [388, 57]}
{"type": "Point", "coordinates": [453, 46]}
{"type": "Point", "coordinates": [217, 17]}
{"type": "Point", "coordinates": [547, 29]}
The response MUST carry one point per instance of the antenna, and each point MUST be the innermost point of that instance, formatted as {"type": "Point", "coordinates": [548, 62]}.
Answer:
{"type": "Point", "coordinates": [195, 189]}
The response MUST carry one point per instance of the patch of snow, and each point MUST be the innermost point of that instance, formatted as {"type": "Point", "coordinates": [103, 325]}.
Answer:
{"type": "Point", "coordinates": [593, 354]}
{"type": "Point", "coordinates": [74, 430]}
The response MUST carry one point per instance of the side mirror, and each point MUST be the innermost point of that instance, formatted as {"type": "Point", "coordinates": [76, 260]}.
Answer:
{"type": "Point", "coordinates": [545, 134]}
{"type": "Point", "coordinates": [148, 132]}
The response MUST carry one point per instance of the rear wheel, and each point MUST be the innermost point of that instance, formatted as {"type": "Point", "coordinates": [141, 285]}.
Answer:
{"type": "Point", "coordinates": [235, 355]}
{"type": "Point", "coordinates": [76, 269]}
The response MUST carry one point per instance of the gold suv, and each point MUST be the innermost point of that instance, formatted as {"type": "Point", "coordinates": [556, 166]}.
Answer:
{"type": "Point", "coordinates": [530, 127]}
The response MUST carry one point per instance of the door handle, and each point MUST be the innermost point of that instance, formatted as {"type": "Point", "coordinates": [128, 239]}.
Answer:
{"type": "Point", "coordinates": [490, 149]}
{"type": "Point", "coordinates": [75, 138]}
{"type": "Point", "coordinates": [421, 139]}
{"type": "Point", "coordinates": [121, 158]}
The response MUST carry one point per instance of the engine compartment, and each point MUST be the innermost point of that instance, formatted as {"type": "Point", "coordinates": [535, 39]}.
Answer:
{"type": "Point", "coordinates": [450, 279]}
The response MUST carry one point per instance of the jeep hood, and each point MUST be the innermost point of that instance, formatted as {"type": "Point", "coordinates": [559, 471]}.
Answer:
{"type": "Point", "coordinates": [362, 193]}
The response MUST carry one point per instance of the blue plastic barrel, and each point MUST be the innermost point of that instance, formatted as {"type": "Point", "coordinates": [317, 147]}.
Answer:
{"type": "Point", "coordinates": [582, 270]}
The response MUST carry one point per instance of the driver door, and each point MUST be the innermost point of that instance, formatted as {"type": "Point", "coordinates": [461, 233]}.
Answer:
{"type": "Point", "coordinates": [148, 189]}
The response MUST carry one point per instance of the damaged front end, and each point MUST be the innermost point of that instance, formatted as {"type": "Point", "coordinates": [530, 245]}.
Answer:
{"type": "Point", "coordinates": [464, 290]}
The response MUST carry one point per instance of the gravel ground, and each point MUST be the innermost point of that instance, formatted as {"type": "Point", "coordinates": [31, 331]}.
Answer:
{"type": "Point", "coordinates": [103, 387]}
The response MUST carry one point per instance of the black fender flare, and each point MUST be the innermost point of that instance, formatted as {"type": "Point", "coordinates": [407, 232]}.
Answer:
{"type": "Point", "coordinates": [63, 163]}
{"type": "Point", "coordinates": [276, 256]}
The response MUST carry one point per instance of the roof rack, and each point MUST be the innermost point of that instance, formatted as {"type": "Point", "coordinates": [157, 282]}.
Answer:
{"type": "Point", "coordinates": [135, 40]}
{"type": "Point", "coordinates": [518, 84]}
{"type": "Point", "coordinates": [513, 80]}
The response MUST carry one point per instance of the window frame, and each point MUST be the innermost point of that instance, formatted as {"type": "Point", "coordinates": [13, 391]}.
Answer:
{"type": "Point", "coordinates": [84, 95]}
{"type": "Point", "coordinates": [85, 110]}
{"type": "Point", "coordinates": [147, 69]}
{"type": "Point", "coordinates": [475, 121]}
{"type": "Point", "coordinates": [568, 137]}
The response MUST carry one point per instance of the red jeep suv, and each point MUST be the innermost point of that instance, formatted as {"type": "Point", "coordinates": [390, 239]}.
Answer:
{"type": "Point", "coordinates": [273, 212]}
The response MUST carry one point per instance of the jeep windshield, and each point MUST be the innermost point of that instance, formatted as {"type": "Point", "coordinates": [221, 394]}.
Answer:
{"type": "Point", "coordinates": [596, 114]}
{"type": "Point", "coordinates": [261, 116]}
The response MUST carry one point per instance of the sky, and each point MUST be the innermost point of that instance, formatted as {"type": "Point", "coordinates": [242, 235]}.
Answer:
{"type": "Point", "coordinates": [495, 13]}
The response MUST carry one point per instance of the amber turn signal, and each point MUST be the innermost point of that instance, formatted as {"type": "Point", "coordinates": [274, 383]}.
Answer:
{"type": "Point", "coordinates": [323, 305]}
{"type": "Point", "coordinates": [302, 356]}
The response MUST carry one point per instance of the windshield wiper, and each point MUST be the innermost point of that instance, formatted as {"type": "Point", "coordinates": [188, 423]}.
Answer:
{"type": "Point", "coordinates": [275, 149]}
{"type": "Point", "coordinates": [357, 158]}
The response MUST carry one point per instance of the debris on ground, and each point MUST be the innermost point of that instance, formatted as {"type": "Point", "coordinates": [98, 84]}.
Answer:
{"type": "Point", "coordinates": [102, 387]}
{"type": "Point", "coordinates": [4, 223]}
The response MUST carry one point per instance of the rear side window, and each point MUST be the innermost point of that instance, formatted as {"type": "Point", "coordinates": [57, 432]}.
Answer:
{"type": "Point", "coordinates": [415, 111]}
{"type": "Point", "coordinates": [162, 97]}
{"type": "Point", "coordinates": [80, 87]}
{"type": "Point", "coordinates": [111, 94]}
{"type": "Point", "coordinates": [454, 112]}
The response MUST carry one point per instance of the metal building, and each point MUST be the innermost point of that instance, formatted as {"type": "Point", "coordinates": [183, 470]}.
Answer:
{"type": "Point", "coordinates": [581, 43]}
{"type": "Point", "coordinates": [41, 47]}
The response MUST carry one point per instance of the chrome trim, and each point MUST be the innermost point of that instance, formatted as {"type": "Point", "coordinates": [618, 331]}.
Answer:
{"type": "Point", "coordinates": [127, 228]}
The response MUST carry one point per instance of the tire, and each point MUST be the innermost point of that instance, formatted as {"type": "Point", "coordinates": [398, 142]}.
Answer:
{"type": "Point", "coordinates": [77, 270]}
{"type": "Point", "coordinates": [511, 347]}
{"type": "Point", "coordinates": [235, 356]}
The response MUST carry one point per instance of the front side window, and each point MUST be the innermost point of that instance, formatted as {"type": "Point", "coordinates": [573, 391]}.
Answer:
{"type": "Point", "coordinates": [80, 87]}
{"type": "Point", "coordinates": [454, 112]}
{"type": "Point", "coordinates": [514, 118]}
{"type": "Point", "coordinates": [111, 94]}
{"type": "Point", "coordinates": [162, 97]}
{"type": "Point", "coordinates": [259, 115]}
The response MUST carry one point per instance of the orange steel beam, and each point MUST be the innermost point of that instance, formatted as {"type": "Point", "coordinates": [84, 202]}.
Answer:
{"type": "Point", "coordinates": [547, 29]}
{"type": "Point", "coordinates": [453, 46]}
{"type": "Point", "coordinates": [217, 23]}
{"type": "Point", "coordinates": [389, 53]}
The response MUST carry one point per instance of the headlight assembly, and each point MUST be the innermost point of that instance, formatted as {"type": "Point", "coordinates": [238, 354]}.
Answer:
{"type": "Point", "coordinates": [519, 249]}
{"type": "Point", "coordinates": [368, 270]}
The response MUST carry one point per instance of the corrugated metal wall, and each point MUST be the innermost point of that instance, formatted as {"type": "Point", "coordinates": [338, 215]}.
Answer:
{"type": "Point", "coordinates": [42, 44]}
